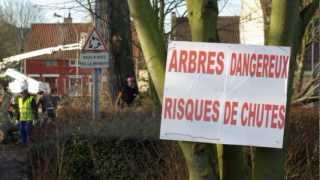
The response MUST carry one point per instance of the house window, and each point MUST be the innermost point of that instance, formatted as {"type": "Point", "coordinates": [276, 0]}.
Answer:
{"type": "Point", "coordinates": [73, 63]}
{"type": "Point", "coordinates": [75, 85]}
{"type": "Point", "coordinates": [86, 85]}
{"type": "Point", "coordinates": [51, 63]}
{"type": "Point", "coordinates": [52, 80]}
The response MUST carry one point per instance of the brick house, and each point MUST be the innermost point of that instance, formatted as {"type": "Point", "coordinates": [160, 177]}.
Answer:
{"type": "Point", "coordinates": [60, 69]}
{"type": "Point", "coordinates": [228, 30]}
{"type": "Point", "coordinates": [227, 26]}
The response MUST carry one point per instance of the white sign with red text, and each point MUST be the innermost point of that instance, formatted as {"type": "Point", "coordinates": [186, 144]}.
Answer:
{"type": "Point", "coordinates": [225, 93]}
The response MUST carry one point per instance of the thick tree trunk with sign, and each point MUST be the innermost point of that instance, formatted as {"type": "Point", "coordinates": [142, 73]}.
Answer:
{"type": "Point", "coordinates": [286, 28]}
{"type": "Point", "coordinates": [269, 162]}
{"type": "Point", "coordinates": [200, 158]}
{"type": "Point", "coordinates": [203, 17]}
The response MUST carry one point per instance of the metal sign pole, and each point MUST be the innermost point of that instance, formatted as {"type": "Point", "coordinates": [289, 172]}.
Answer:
{"type": "Point", "coordinates": [96, 93]}
{"type": "Point", "coordinates": [95, 88]}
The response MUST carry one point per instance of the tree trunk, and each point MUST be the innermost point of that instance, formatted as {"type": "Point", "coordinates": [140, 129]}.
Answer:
{"type": "Point", "coordinates": [5, 129]}
{"type": "Point", "coordinates": [201, 158]}
{"type": "Point", "coordinates": [5, 124]}
{"type": "Point", "coordinates": [151, 40]}
{"type": "Point", "coordinates": [266, 9]}
{"type": "Point", "coordinates": [117, 25]}
{"type": "Point", "coordinates": [203, 17]}
{"type": "Point", "coordinates": [270, 163]}
{"type": "Point", "coordinates": [287, 28]}
{"type": "Point", "coordinates": [234, 166]}
{"type": "Point", "coordinates": [161, 15]}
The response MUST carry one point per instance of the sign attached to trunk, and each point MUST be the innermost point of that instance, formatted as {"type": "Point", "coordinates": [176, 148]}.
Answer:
{"type": "Point", "coordinates": [225, 93]}
{"type": "Point", "coordinates": [94, 52]}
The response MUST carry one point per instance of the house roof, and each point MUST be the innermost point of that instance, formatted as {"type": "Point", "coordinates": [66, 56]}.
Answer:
{"type": "Point", "coordinates": [228, 29]}
{"type": "Point", "coordinates": [50, 35]}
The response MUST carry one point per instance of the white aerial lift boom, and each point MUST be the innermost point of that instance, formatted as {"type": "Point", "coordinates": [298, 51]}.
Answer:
{"type": "Point", "coordinates": [13, 60]}
{"type": "Point", "coordinates": [33, 85]}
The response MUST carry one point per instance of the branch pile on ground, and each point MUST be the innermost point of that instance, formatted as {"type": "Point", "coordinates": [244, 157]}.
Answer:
{"type": "Point", "coordinates": [303, 146]}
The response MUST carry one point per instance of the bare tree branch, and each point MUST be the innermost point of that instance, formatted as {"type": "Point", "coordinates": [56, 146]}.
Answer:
{"type": "Point", "coordinates": [224, 5]}
{"type": "Point", "coordinates": [20, 14]}
{"type": "Point", "coordinates": [311, 91]}
{"type": "Point", "coordinates": [308, 12]}
{"type": "Point", "coordinates": [172, 5]}
{"type": "Point", "coordinates": [305, 100]}
{"type": "Point", "coordinates": [311, 86]}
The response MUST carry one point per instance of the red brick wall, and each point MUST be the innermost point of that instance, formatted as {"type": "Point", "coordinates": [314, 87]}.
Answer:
{"type": "Point", "coordinates": [63, 69]}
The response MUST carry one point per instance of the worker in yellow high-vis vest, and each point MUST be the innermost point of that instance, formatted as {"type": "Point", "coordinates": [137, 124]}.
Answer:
{"type": "Point", "coordinates": [27, 109]}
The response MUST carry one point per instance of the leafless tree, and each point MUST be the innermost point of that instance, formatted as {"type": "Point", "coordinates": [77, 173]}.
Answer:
{"type": "Point", "coordinates": [20, 13]}
{"type": "Point", "coordinates": [8, 40]}
{"type": "Point", "coordinates": [87, 5]}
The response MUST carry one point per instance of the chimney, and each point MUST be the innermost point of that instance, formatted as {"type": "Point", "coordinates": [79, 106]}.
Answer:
{"type": "Point", "coordinates": [68, 19]}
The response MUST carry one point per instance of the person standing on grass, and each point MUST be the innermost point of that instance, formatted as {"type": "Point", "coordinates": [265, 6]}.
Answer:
{"type": "Point", "coordinates": [27, 108]}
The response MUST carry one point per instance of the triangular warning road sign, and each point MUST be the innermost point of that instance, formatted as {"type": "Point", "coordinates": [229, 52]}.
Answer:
{"type": "Point", "coordinates": [94, 42]}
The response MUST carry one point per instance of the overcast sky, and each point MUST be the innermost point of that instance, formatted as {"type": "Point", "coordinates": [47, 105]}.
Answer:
{"type": "Point", "coordinates": [63, 7]}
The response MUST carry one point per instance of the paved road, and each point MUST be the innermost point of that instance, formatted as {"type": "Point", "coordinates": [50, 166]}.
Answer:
{"type": "Point", "coordinates": [14, 163]}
